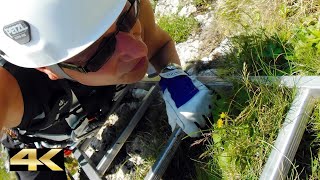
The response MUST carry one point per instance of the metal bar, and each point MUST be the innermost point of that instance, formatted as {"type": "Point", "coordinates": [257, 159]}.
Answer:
{"type": "Point", "coordinates": [113, 151]}
{"type": "Point", "coordinates": [310, 82]}
{"type": "Point", "coordinates": [86, 164]}
{"type": "Point", "coordinates": [289, 137]}
{"type": "Point", "coordinates": [160, 166]}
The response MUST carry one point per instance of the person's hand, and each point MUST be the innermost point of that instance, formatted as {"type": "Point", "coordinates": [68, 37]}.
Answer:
{"type": "Point", "coordinates": [188, 101]}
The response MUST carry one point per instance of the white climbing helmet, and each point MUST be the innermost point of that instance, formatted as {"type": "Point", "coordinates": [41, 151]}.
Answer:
{"type": "Point", "coordinates": [37, 33]}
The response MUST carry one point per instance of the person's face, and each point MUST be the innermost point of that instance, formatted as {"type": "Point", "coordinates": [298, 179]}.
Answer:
{"type": "Point", "coordinates": [127, 64]}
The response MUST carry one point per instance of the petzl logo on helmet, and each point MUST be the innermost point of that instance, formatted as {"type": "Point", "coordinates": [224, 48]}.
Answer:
{"type": "Point", "coordinates": [18, 31]}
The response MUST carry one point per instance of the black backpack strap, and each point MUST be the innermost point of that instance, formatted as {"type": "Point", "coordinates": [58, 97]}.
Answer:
{"type": "Point", "coordinates": [64, 105]}
{"type": "Point", "coordinates": [2, 61]}
{"type": "Point", "coordinates": [95, 100]}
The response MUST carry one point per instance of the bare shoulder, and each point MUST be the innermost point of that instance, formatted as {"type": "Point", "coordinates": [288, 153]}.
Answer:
{"type": "Point", "coordinates": [153, 35]}
{"type": "Point", "coordinates": [7, 83]}
{"type": "Point", "coordinates": [11, 101]}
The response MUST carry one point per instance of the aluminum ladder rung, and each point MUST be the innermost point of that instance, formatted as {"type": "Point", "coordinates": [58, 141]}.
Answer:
{"type": "Point", "coordinates": [113, 151]}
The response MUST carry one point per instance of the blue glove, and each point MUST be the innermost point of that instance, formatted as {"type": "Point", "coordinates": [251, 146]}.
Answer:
{"type": "Point", "coordinates": [187, 100]}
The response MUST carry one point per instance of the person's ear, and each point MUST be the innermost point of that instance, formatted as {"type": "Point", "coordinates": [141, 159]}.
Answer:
{"type": "Point", "coordinates": [52, 75]}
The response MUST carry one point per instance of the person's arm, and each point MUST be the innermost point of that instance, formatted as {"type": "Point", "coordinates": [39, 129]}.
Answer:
{"type": "Point", "coordinates": [161, 47]}
{"type": "Point", "coordinates": [11, 102]}
{"type": "Point", "coordinates": [187, 100]}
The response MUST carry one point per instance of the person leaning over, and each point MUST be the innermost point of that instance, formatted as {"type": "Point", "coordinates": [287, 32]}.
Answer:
{"type": "Point", "coordinates": [95, 43]}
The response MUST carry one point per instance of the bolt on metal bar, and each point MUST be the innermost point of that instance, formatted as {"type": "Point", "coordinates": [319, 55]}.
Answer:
{"type": "Point", "coordinates": [113, 151]}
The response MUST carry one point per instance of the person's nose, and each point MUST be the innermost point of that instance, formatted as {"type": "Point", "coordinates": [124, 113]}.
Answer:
{"type": "Point", "coordinates": [130, 47]}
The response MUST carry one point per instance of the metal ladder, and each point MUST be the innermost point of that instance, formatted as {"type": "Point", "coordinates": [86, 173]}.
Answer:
{"type": "Point", "coordinates": [279, 161]}
{"type": "Point", "coordinates": [97, 172]}
{"type": "Point", "coordinates": [158, 169]}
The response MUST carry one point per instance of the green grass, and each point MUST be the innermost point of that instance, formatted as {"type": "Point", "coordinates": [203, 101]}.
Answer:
{"type": "Point", "coordinates": [179, 28]}
{"type": "Point", "coordinates": [151, 144]}
{"type": "Point", "coordinates": [153, 4]}
{"type": "Point", "coordinates": [202, 2]}
{"type": "Point", "coordinates": [203, 5]}
{"type": "Point", "coordinates": [264, 55]}
{"type": "Point", "coordinates": [71, 164]}
{"type": "Point", "coordinates": [306, 52]}
{"type": "Point", "coordinates": [315, 164]}
{"type": "Point", "coordinates": [243, 134]}
{"type": "Point", "coordinates": [3, 172]}
{"type": "Point", "coordinates": [271, 38]}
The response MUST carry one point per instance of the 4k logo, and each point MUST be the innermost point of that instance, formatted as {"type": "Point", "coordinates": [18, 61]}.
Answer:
{"type": "Point", "coordinates": [18, 31]}
{"type": "Point", "coordinates": [49, 159]}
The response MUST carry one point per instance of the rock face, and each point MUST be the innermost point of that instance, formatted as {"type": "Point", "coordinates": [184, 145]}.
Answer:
{"type": "Point", "coordinates": [200, 45]}
{"type": "Point", "coordinates": [167, 7]}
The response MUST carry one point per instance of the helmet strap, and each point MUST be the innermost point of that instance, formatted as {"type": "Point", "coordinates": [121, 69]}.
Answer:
{"type": "Point", "coordinates": [58, 70]}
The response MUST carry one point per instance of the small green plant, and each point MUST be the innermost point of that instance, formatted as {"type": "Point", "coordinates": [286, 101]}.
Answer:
{"type": "Point", "coordinates": [264, 55]}
{"type": "Point", "coordinates": [236, 16]}
{"type": "Point", "coordinates": [306, 44]}
{"type": "Point", "coordinates": [271, 38]}
{"type": "Point", "coordinates": [178, 27]}
{"type": "Point", "coordinates": [200, 2]}
{"type": "Point", "coordinates": [71, 164]}
{"type": "Point", "coordinates": [4, 174]}
{"type": "Point", "coordinates": [154, 4]}
{"type": "Point", "coordinates": [203, 5]}
{"type": "Point", "coordinates": [315, 166]}
{"type": "Point", "coordinates": [243, 134]}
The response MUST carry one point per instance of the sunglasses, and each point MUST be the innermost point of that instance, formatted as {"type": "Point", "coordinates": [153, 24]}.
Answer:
{"type": "Point", "coordinates": [106, 48]}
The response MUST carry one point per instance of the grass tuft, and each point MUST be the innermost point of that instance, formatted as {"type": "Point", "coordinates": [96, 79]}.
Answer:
{"type": "Point", "coordinates": [239, 146]}
{"type": "Point", "coordinates": [270, 38]}
{"type": "Point", "coordinates": [178, 27]}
